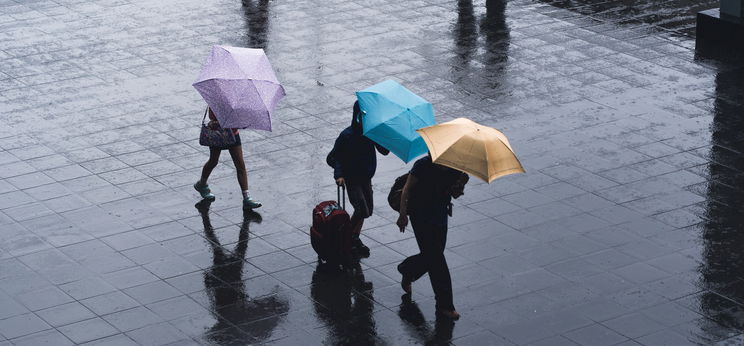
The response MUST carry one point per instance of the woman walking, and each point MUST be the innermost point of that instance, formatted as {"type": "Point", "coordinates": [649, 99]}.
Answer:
{"type": "Point", "coordinates": [236, 152]}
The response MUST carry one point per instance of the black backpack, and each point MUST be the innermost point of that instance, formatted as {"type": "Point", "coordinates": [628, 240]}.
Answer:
{"type": "Point", "coordinates": [396, 191]}
{"type": "Point", "coordinates": [331, 158]}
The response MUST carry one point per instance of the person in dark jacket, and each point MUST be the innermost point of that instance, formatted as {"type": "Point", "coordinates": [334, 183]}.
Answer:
{"type": "Point", "coordinates": [354, 163]}
{"type": "Point", "coordinates": [426, 198]}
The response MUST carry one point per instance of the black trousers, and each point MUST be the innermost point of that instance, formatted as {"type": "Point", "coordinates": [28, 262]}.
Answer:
{"type": "Point", "coordinates": [431, 239]}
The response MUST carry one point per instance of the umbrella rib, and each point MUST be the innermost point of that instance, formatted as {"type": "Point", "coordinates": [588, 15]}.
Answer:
{"type": "Point", "coordinates": [501, 172]}
{"type": "Point", "coordinates": [485, 149]}
{"type": "Point", "coordinates": [260, 96]}
{"type": "Point", "coordinates": [417, 115]}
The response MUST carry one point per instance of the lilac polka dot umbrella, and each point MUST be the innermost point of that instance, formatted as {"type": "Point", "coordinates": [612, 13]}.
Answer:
{"type": "Point", "coordinates": [240, 87]}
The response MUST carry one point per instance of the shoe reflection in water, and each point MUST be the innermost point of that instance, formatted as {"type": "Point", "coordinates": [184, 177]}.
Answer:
{"type": "Point", "coordinates": [420, 329]}
{"type": "Point", "coordinates": [231, 305]}
{"type": "Point", "coordinates": [340, 302]}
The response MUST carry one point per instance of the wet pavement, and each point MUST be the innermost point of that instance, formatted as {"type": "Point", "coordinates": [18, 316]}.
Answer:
{"type": "Point", "coordinates": [625, 229]}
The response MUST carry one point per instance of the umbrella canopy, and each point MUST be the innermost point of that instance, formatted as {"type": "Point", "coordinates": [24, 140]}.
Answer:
{"type": "Point", "coordinates": [472, 148]}
{"type": "Point", "coordinates": [240, 87]}
{"type": "Point", "coordinates": [392, 116]}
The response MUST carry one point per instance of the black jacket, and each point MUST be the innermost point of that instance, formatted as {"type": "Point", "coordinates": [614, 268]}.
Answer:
{"type": "Point", "coordinates": [353, 155]}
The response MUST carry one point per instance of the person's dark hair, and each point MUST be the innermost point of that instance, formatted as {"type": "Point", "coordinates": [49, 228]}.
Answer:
{"type": "Point", "coordinates": [464, 177]}
{"type": "Point", "coordinates": [460, 178]}
{"type": "Point", "coordinates": [356, 119]}
{"type": "Point", "coordinates": [357, 109]}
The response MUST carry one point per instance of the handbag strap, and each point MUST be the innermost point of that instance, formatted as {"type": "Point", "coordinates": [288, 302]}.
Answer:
{"type": "Point", "coordinates": [205, 115]}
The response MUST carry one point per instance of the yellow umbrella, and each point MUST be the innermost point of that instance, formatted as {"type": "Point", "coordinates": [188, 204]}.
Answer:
{"type": "Point", "coordinates": [472, 148]}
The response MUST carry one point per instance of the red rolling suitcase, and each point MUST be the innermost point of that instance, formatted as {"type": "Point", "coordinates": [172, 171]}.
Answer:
{"type": "Point", "coordinates": [330, 234]}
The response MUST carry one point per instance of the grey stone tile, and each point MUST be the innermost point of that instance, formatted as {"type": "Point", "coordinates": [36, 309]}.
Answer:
{"type": "Point", "coordinates": [132, 319]}
{"type": "Point", "coordinates": [109, 303]}
{"type": "Point", "coordinates": [152, 292]}
{"type": "Point", "coordinates": [48, 191]}
{"type": "Point", "coordinates": [127, 240]}
{"type": "Point", "coordinates": [49, 337]}
{"type": "Point", "coordinates": [178, 307]}
{"type": "Point", "coordinates": [68, 173]}
{"type": "Point", "coordinates": [65, 314]}
{"type": "Point", "coordinates": [66, 203]}
{"type": "Point", "coordinates": [640, 272]}
{"type": "Point", "coordinates": [157, 334]}
{"type": "Point", "coordinates": [87, 287]}
{"type": "Point", "coordinates": [43, 298]}
{"type": "Point", "coordinates": [634, 325]}
{"type": "Point", "coordinates": [22, 325]}
{"type": "Point", "coordinates": [115, 340]}
{"type": "Point", "coordinates": [88, 330]}
{"type": "Point", "coordinates": [595, 334]}
{"type": "Point", "coordinates": [665, 337]}
{"type": "Point", "coordinates": [28, 211]}
{"type": "Point", "coordinates": [30, 180]}
{"type": "Point", "coordinates": [129, 277]}
{"type": "Point", "coordinates": [670, 314]}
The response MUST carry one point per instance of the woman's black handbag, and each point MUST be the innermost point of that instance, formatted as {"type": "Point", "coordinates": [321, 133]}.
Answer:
{"type": "Point", "coordinates": [213, 135]}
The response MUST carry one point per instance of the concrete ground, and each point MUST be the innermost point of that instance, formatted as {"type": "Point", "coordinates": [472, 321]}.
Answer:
{"type": "Point", "coordinates": [625, 230]}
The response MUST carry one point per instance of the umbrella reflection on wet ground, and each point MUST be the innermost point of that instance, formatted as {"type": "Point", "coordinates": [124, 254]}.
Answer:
{"type": "Point", "coordinates": [231, 304]}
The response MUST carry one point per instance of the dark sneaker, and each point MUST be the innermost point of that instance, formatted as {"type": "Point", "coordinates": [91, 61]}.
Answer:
{"type": "Point", "coordinates": [450, 314]}
{"type": "Point", "coordinates": [249, 203]}
{"type": "Point", "coordinates": [203, 191]}
{"type": "Point", "coordinates": [405, 282]}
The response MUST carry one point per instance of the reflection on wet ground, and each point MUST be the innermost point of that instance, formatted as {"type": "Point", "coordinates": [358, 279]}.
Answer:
{"type": "Point", "coordinates": [722, 267]}
{"type": "Point", "coordinates": [625, 230]}
{"type": "Point", "coordinates": [256, 23]}
{"type": "Point", "coordinates": [342, 301]}
{"type": "Point", "coordinates": [438, 332]}
{"type": "Point", "coordinates": [231, 304]}
{"type": "Point", "coordinates": [675, 15]}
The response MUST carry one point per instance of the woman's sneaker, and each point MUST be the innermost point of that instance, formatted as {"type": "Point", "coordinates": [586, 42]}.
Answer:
{"type": "Point", "coordinates": [203, 190]}
{"type": "Point", "coordinates": [249, 203]}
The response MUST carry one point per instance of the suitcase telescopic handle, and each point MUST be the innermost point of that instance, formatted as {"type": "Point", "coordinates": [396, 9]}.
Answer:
{"type": "Point", "coordinates": [341, 196]}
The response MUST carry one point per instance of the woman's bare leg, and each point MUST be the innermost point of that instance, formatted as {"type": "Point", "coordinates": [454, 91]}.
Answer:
{"type": "Point", "coordinates": [214, 158]}
{"type": "Point", "coordinates": [236, 153]}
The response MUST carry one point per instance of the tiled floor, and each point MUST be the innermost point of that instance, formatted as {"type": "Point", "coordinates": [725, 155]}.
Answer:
{"type": "Point", "coordinates": [625, 230]}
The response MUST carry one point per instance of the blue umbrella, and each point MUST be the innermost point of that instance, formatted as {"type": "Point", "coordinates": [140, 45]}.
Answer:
{"type": "Point", "coordinates": [392, 116]}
